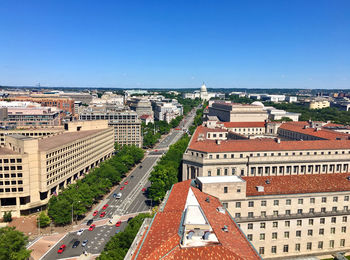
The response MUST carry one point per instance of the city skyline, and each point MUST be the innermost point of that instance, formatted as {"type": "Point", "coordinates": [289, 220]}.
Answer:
{"type": "Point", "coordinates": [162, 45]}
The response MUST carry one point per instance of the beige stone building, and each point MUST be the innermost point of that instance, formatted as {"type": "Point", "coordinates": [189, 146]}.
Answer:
{"type": "Point", "coordinates": [33, 169]}
{"type": "Point", "coordinates": [288, 216]}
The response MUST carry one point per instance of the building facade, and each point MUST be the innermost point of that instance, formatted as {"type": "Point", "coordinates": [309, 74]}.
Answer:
{"type": "Point", "coordinates": [34, 169]}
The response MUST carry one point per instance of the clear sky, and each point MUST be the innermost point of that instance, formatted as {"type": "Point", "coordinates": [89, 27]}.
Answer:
{"type": "Point", "coordinates": [175, 44]}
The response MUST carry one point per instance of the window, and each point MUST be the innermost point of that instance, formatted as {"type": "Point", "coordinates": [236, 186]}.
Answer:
{"type": "Point", "coordinates": [288, 212]}
{"type": "Point", "coordinates": [273, 249]}
{"type": "Point", "coordinates": [238, 204]}
{"type": "Point", "coordinates": [333, 219]}
{"type": "Point", "coordinates": [225, 205]}
{"type": "Point", "coordinates": [335, 199]}
{"type": "Point", "coordinates": [320, 245]}
{"type": "Point", "coordinates": [331, 243]}
{"type": "Point", "coordinates": [342, 242]}
{"type": "Point", "coordinates": [345, 219]}
{"type": "Point", "coordinates": [263, 203]}
{"type": "Point", "coordinates": [250, 225]}
{"type": "Point", "coordinates": [298, 233]}
{"type": "Point", "coordinates": [262, 225]}
{"type": "Point", "coordinates": [226, 171]}
{"type": "Point", "coordinates": [275, 202]}
{"type": "Point", "coordinates": [275, 224]}
{"type": "Point", "coordinates": [300, 201]}
{"type": "Point", "coordinates": [346, 198]}
{"type": "Point", "coordinates": [300, 211]}
{"type": "Point", "coordinates": [287, 223]}
{"type": "Point", "coordinates": [324, 199]}
{"type": "Point", "coordinates": [263, 214]}
{"type": "Point", "coordinates": [261, 250]}
{"type": "Point", "coordinates": [309, 246]}
{"type": "Point", "coordinates": [297, 247]}
{"type": "Point", "coordinates": [286, 234]}
{"type": "Point", "coordinates": [262, 236]}
{"type": "Point", "coordinates": [275, 213]}
{"type": "Point", "coordinates": [310, 232]}
{"type": "Point", "coordinates": [209, 173]}
{"type": "Point", "coordinates": [322, 220]}
{"type": "Point", "coordinates": [312, 200]}
{"type": "Point", "coordinates": [225, 189]}
{"type": "Point", "coordinates": [250, 237]}
{"type": "Point", "coordinates": [285, 248]}
{"type": "Point", "coordinates": [343, 229]}
{"type": "Point", "coordinates": [274, 235]}
{"type": "Point", "coordinates": [251, 204]}
{"type": "Point", "coordinates": [288, 202]}
{"type": "Point", "coordinates": [299, 222]}
{"type": "Point", "coordinates": [312, 210]}
{"type": "Point", "coordinates": [311, 222]}
{"type": "Point", "coordinates": [333, 230]}
{"type": "Point", "coordinates": [237, 215]}
{"type": "Point", "coordinates": [323, 210]}
{"type": "Point", "coordinates": [218, 172]}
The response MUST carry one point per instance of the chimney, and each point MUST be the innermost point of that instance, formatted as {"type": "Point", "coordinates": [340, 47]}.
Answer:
{"type": "Point", "coordinates": [218, 141]}
{"type": "Point", "coordinates": [278, 140]}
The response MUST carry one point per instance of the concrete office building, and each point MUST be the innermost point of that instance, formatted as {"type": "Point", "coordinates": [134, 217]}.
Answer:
{"type": "Point", "coordinates": [126, 124]}
{"type": "Point", "coordinates": [232, 112]}
{"type": "Point", "coordinates": [288, 216]}
{"type": "Point", "coordinates": [34, 169]}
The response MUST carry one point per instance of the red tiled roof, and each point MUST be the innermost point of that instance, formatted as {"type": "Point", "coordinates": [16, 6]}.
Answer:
{"type": "Point", "coordinates": [163, 241]}
{"type": "Point", "coordinates": [322, 133]}
{"type": "Point", "coordinates": [294, 184]}
{"type": "Point", "coordinates": [145, 116]}
{"type": "Point", "coordinates": [252, 145]}
{"type": "Point", "coordinates": [244, 124]}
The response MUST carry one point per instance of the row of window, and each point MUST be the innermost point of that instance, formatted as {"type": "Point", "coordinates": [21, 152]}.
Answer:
{"type": "Point", "coordinates": [309, 246]}
{"type": "Point", "coordinates": [18, 160]}
{"type": "Point", "coordinates": [13, 175]}
{"type": "Point", "coordinates": [11, 190]}
{"type": "Point", "coordinates": [11, 182]}
{"type": "Point", "coordinates": [12, 168]}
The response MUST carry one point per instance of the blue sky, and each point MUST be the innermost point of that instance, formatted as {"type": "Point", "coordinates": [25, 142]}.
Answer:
{"type": "Point", "coordinates": [175, 44]}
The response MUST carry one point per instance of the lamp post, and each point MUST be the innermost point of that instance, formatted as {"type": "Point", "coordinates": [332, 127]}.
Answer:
{"type": "Point", "coordinates": [73, 210]}
{"type": "Point", "coordinates": [39, 220]}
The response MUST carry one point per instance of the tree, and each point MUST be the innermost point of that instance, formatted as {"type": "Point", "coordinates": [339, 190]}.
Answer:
{"type": "Point", "coordinates": [43, 220]}
{"type": "Point", "coordinates": [12, 244]}
{"type": "Point", "coordinates": [7, 216]}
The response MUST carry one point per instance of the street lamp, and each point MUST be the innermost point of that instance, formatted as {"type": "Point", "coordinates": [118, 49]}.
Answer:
{"type": "Point", "coordinates": [39, 219]}
{"type": "Point", "coordinates": [72, 209]}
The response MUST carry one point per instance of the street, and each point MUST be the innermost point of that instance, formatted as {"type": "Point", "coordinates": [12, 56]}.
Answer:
{"type": "Point", "coordinates": [133, 200]}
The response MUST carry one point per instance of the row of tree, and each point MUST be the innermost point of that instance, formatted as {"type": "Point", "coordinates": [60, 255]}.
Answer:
{"type": "Point", "coordinates": [118, 246]}
{"type": "Point", "coordinates": [325, 114]}
{"type": "Point", "coordinates": [80, 196]}
{"type": "Point", "coordinates": [168, 170]}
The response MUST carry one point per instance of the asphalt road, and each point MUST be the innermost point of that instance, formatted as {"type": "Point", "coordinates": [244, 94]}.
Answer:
{"type": "Point", "coordinates": [133, 200]}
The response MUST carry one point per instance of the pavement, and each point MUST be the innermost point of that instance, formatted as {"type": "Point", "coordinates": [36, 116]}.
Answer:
{"type": "Point", "coordinates": [132, 202]}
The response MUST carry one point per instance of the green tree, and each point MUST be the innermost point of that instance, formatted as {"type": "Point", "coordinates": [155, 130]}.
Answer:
{"type": "Point", "coordinates": [43, 220]}
{"type": "Point", "coordinates": [12, 244]}
{"type": "Point", "coordinates": [7, 216]}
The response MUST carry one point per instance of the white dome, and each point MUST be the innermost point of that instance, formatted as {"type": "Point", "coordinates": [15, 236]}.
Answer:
{"type": "Point", "coordinates": [257, 103]}
{"type": "Point", "coordinates": [203, 88]}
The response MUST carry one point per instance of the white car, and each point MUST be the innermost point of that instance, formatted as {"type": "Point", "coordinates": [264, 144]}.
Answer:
{"type": "Point", "coordinates": [119, 195]}
{"type": "Point", "coordinates": [80, 231]}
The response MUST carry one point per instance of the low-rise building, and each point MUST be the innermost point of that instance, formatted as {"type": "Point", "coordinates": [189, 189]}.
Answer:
{"type": "Point", "coordinates": [319, 104]}
{"type": "Point", "coordinates": [34, 169]}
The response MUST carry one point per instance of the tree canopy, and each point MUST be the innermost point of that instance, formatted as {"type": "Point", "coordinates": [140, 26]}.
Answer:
{"type": "Point", "coordinates": [13, 244]}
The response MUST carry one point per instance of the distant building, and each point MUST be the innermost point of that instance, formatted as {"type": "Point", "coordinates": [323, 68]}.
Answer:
{"type": "Point", "coordinates": [147, 119]}
{"type": "Point", "coordinates": [203, 94]}
{"type": "Point", "coordinates": [319, 104]}
{"type": "Point", "coordinates": [291, 99]}
{"type": "Point", "coordinates": [141, 106]}
{"type": "Point", "coordinates": [164, 111]}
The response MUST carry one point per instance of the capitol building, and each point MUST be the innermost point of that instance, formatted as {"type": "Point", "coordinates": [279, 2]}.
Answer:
{"type": "Point", "coordinates": [203, 94]}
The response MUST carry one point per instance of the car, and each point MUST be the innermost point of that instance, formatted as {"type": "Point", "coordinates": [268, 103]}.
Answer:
{"type": "Point", "coordinates": [144, 189]}
{"type": "Point", "coordinates": [119, 195]}
{"type": "Point", "coordinates": [102, 214]}
{"type": "Point", "coordinates": [95, 213]}
{"type": "Point", "coordinates": [118, 223]}
{"type": "Point", "coordinates": [140, 166]}
{"type": "Point", "coordinates": [114, 195]}
{"type": "Point", "coordinates": [105, 206]}
{"type": "Point", "coordinates": [122, 188]}
{"type": "Point", "coordinates": [156, 150]}
{"type": "Point", "coordinates": [83, 244]}
{"type": "Point", "coordinates": [89, 222]}
{"type": "Point", "coordinates": [61, 249]}
{"type": "Point", "coordinates": [92, 227]}
{"type": "Point", "coordinates": [126, 183]}
{"type": "Point", "coordinates": [80, 231]}
{"type": "Point", "coordinates": [75, 244]}
{"type": "Point", "coordinates": [132, 176]}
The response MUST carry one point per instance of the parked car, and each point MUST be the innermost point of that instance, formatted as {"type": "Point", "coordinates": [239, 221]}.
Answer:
{"type": "Point", "coordinates": [105, 206]}
{"type": "Point", "coordinates": [126, 183]}
{"type": "Point", "coordinates": [119, 195]}
{"type": "Point", "coordinates": [95, 213]}
{"type": "Point", "coordinates": [80, 231]}
{"type": "Point", "coordinates": [122, 188]}
{"type": "Point", "coordinates": [75, 244]}
{"type": "Point", "coordinates": [144, 189]}
{"type": "Point", "coordinates": [89, 222]}
{"type": "Point", "coordinates": [114, 195]}
{"type": "Point", "coordinates": [129, 219]}
{"type": "Point", "coordinates": [92, 227]}
{"type": "Point", "coordinates": [83, 244]}
{"type": "Point", "coordinates": [118, 223]}
{"type": "Point", "coordinates": [102, 214]}
{"type": "Point", "coordinates": [61, 249]}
